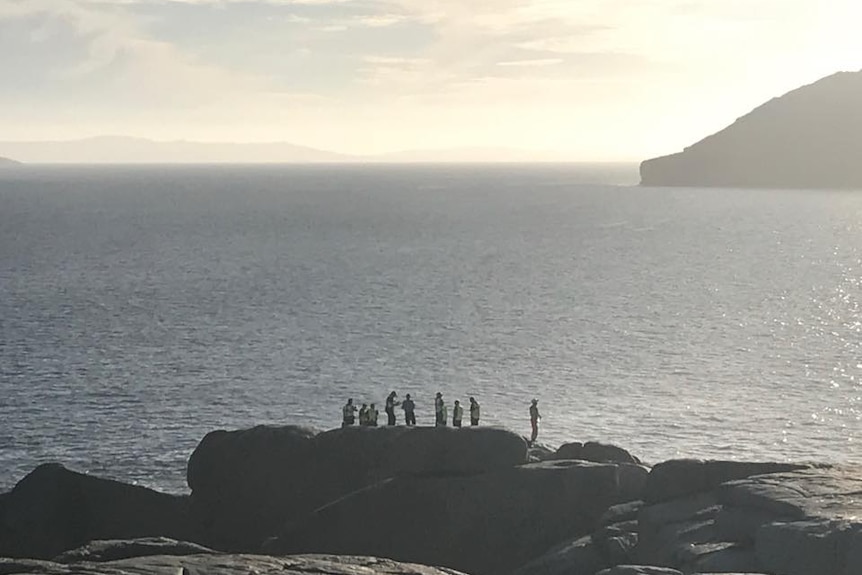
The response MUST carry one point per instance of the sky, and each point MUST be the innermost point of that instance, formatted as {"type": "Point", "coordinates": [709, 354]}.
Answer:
{"type": "Point", "coordinates": [592, 80]}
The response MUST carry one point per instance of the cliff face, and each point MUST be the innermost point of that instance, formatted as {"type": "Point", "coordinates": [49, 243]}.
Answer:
{"type": "Point", "coordinates": [808, 138]}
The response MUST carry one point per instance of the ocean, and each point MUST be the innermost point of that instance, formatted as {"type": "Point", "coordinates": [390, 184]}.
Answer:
{"type": "Point", "coordinates": [142, 307]}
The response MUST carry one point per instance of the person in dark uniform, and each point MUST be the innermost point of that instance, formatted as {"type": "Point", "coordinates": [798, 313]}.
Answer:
{"type": "Point", "coordinates": [439, 410]}
{"type": "Point", "coordinates": [409, 411]}
{"type": "Point", "coordinates": [390, 408]}
{"type": "Point", "coordinates": [534, 420]}
{"type": "Point", "coordinates": [457, 414]}
{"type": "Point", "coordinates": [474, 411]}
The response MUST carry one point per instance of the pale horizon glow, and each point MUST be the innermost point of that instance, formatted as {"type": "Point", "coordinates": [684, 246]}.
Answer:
{"type": "Point", "coordinates": [584, 80]}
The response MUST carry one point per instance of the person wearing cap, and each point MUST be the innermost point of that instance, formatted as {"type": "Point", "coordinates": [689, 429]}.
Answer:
{"type": "Point", "coordinates": [457, 414]}
{"type": "Point", "coordinates": [409, 411]}
{"type": "Point", "coordinates": [348, 413]}
{"type": "Point", "coordinates": [390, 408]}
{"type": "Point", "coordinates": [534, 420]}
{"type": "Point", "coordinates": [474, 411]}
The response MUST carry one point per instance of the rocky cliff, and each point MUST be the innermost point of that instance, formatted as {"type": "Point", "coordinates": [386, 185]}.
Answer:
{"type": "Point", "coordinates": [472, 500]}
{"type": "Point", "coordinates": [808, 138]}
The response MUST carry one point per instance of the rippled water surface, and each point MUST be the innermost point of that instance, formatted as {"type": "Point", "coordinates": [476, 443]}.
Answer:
{"type": "Point", "coordinates": [141, 308]}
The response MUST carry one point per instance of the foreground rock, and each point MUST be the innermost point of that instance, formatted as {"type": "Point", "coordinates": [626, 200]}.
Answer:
{"type": "Point", "coordinates": [116, 549]}
{"type": "Point", "coordinates": [483, 524]}
{"type": "Point", "coordinates": [210, 564]}
{"type": "Point", "coordinates": [808, 138]}
{"type": "Point", "coordinates": [53, 510]}
{"type": "Point", "coordinates": [247, 484]}
{"type": "Point", "coordinates": [804, 521]}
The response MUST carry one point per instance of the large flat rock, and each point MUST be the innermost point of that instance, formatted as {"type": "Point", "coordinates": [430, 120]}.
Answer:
{"type": "Point", "coordinates": [246, 484]}
{"type": "Point", "coordinates": [820, 492]}
{"type": "Point", "coordinates": [485, 524]}
{"type": "Point", "coordinates": [225, 565]}
{"type": "Point", "coordinates": [54, 509]}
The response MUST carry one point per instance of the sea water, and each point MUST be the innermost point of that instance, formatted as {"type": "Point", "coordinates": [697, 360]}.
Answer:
{"type": "Point", "coordinates": [141, 308]}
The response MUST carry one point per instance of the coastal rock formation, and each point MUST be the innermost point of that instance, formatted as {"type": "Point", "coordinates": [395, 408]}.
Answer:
{"type": "Point", "coordinates": [116, 549]}
{"type": "Point", "coordinates": [594, 451]}
{"type": "Point", "coordinates": [247, 484]}
{"type": "Point", "coordinates": [482, 524]}
{"type": "Point", "coordinates": [212, 564]}
{"type": "Point", "coordinates": [810, 137]}
{"type": "Point", "coordinates": [54, 509]}
{"type": "Point", "coordinates": [800, 522]}
{"type": "Point", "coordinates": [398, 493]}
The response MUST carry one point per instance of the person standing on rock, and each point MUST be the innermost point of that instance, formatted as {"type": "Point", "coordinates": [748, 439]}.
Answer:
{"type": "Point", "coordinates": [363, 415]}
{"type": "Point", "coordinates": [474, 411]}
{"type": "Point", "coordinates": [390, 408]}
{"type": "Point", "coordinates": [372, 415]}
{"type": "Point", "coordinates": [409, 411]}
{"type": "Point", "coordinates": [348, 413]}
{"type": "Point", "coordinates": [439, 410]}
{"type": "Point", "coordinates": [534, 420]}
{"type": "Point", "coordinates": [457, 414]}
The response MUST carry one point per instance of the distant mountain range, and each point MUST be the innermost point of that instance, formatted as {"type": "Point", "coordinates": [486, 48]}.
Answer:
{"type": "Point", "coordinates": [127, 150]}
{"type": "Point", "coordinates": [810, 137]}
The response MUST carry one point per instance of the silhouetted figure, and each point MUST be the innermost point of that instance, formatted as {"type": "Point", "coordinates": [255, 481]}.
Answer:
{"type": "Point", "coordinates": [457, 414]}
{"type": "Point", "coordinates": [372, 415]}
{"type": "Point", "coordinates": [439, 410]}
{"type": "Point", "coordinates": [363, 414]}
{"type": "Point", "coordinates": [390, 408]}
{"type": "Point", "coordinates": [534, 420]}
{"type": "Point", "coordinates": [474, 411]}
{"type": "Point", "coordinates": [348, 414]}
{"type": "Point", "coordinates": [409, 411]}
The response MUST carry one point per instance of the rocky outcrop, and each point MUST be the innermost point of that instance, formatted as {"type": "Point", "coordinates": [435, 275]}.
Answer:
{"type": "Point", "coordinates": [796, 522]}
{"type": "Point", "coordinates": [212, 564]}
{"type": "Point", "coordinates": [594, 451]}
{"type": "Point", "coordinates": [54, 509]}
{"type": "Point", "coordinates": [462, 499]}
{"type": "Point", "coordinates": [247, 484]}
{"type": "Point", "coordinates": [808, 138]}
{"type": "Point", "coordinates": [116, 549]}
{"type": "Point", "coordinates": [483, 524]}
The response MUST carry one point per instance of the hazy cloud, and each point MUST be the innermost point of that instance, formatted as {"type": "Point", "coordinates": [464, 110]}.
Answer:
{"type": "Point", "coordinates": [322, 72]}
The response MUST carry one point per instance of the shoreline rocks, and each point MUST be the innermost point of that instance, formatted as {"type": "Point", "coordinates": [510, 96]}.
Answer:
{"type": "Point", "coordinates": [475, 500]}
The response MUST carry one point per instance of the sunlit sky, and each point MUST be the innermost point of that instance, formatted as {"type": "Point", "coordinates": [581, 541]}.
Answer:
{"type": "Point", "coordinates": [592, 79]}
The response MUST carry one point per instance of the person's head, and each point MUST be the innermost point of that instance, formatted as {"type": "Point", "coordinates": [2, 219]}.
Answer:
{"type": "Point", "coordinates": [350, 401]}
{"type": "Point", "coordinates": [372, 406]}
{"type": "Point", "coordinates": [535, 401]}
{"type": "Point", "coordinates": [408, 396]}
{"type": "Point", "coordinates": [472, 400]}
{"type": "Point", "coordinates": [439, 394]}
{"type": "Point", "coordinates": [457, 402]}
{"type": "Point", "coordinates": [393, 394]}
{"type": "Point", "coordinates": [364, 405]}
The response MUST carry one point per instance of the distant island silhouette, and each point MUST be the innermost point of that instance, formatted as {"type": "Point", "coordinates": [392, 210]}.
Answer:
{"type": "Point", "coordinates": [131, 150]}
{"type": "Point", "coordinates": [8, 162]}
{"type": "Point", "coordinates": [810, 137]}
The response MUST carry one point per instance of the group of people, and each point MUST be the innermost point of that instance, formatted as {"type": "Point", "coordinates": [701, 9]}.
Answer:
{"type": "Point", "coordinates": [368, 414]}
{"type": "Point", "coordinates": [440, 418]}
